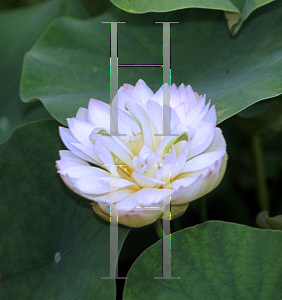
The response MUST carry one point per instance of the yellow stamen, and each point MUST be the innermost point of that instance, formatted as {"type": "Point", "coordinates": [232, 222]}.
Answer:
{"type": "Point", "coordinates": [125, 169]}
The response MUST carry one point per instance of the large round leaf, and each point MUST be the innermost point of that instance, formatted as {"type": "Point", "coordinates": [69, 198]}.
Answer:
{"type": "Point", "coordinates": [70, 63]}
{"type": "Point", "coordinates": [52, 244]}
{"type": "Point", "coordinates": [236, 11]}
{"type": "Point", "coordinates": [214, 260]}
{"type": "Point", "coordinates": [20, 28]}
{"type": "Point", "coordinates": [135, 6]}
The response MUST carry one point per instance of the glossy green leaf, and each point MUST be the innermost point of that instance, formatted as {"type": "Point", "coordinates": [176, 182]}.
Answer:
{"type": "Point", "coordinates": [20, 29]}
{"type": "Point", "coordinates": [135, 6]}
{"type": "Point", "coordinates": [52, 245]}
{"type": "Point", "coordinates": [71, 64]}
{"type": "Point", "coordinates": [214, 260]}
{"type": "Point", "coordinates": [236, 11]}
{"type": "Point", "coordinates": [245, 7]}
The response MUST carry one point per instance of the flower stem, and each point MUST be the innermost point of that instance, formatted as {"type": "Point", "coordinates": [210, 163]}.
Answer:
{"type": "Point", "coordinates": [262, 191]}
{"type": "Point", "coordinates": [176, 225]}
{"type": "Point", "coordinates": [203, 209]}
{"type": "Point", "coordinates": [159, 228]}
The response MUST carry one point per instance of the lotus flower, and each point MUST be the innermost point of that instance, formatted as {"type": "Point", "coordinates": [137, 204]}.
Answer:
{"type": "Point", "coordinates": [126, 173]}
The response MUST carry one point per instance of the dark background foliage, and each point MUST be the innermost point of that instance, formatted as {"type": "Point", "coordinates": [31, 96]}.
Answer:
{"type": "Point", "coordinates": [52, 245]}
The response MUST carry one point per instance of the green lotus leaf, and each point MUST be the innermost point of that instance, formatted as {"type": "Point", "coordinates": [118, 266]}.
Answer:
{"type": "Point", "coordinates": [52, 244]}
{"type": "Point", "coordinates": [71, 62]}
{"type": "Point", "coordinates": [214, 260]}
{"type": "Point", "coordinates": [236, 11]}
{"type": "Point", "coordinates": [20, 28]}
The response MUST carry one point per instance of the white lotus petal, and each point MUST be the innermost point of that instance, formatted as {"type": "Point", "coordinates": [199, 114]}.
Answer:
{"type": "Point", "coordinates": [84, 171]}
{"type": "Point", "coordinates": [180, 146]}
{"type": "Point", "coordinates": [66, 163]}
{"type": "Point", "coordinates": [127, 124]}
{"type": "Point", "coordinates": [130, 213]}
{"type": "Point", "coordinates": [181, 88]}
{"type": "Point", "coordinates": [192, 97]}
{"type": "Point", "coordinates": [178, 210]}
{"type": "Point", "coordinates": [183, 134]}
{"type": "Point", "coordinates": [138, 167]}
{"type": "Point", "coordinates": [122, 97]}
{"type": "Point", "coordinates": [181, 160]}
{"type": "Point", "coordinates": [210, 115]}
{"type": "Point", "coordinates": [181, 112]}
{"type": "Point", "coordinates": [158, 96]}
{"type": "Point", "coordinates": [174, 118]}
{"type": "Point", "coordinates": [218, 141]}
{"type": "Point", "coordinates": [120, 183]}
{"type": "Point", "coordinates": [144, 122]}
{"type": "Point", "coordinates": [99, 113]}
{"type": "Point", "coordinates": [151, 196]}
{"type": "Point", "coordinates": [170, 158]}
{"type": "Point", "coordinates": [78, 149]}
{"type": "Point", "coordinates": [144, 154]}
{"type": "Point", "coordinates": [94, 185]}
{"type": "Point", "coordinates": [127, 87]}
{"type": "Point", "coordinates": [204, 113]}
{"type": "Point", "coordinates": [192, 115]}
{"type": "Point", "coordinates": [203, 161]}
{"type": "Point", "coordinates": [87, 154]}
{"type": "Point", "coordinates": [142, 92]}
{"type": "Point", "coordinates": [164, 174]}
{"type": "Point", "coordinates": [155, 113]}
{"type": "Point", "coordinates": [203, 185]}
{"type": "Point", "coordinates": [66, 136]}
{"type": "Point", "coordinates": [114, 196]}
{"type": "Point", "coordinates": [105, 157]}
{"type": "Point", "coordinates": [175, 99]}
{"type": "Point", "coordinates": [203, 136]}
{"type": "Point", "coordinates": [184, 182]}
{"type": "Point", "coordinates": [81, 131]}
{"type": "Point", "coordinates": [71, 158]}
{"type": "Point", "coordinates": [144, 181]}
{"type": "Point", "coordinates": [82, 114]}
{"type": "Point", "coordinates": [184, 195]}
{"type": "Point", "coordinates": [116, 139]}
{"type": "Point", "coordinates": [188, 97]}
{"type": "Point", "coordinates": [174, 89]}
{"type": "Point", "coordinates": [114, 147]}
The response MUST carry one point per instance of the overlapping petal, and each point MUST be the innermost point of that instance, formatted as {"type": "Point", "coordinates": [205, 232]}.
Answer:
{"type": "Point", "coordinates": [134, 174]}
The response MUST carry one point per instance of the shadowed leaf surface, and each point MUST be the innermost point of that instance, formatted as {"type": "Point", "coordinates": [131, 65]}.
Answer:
{"type": "Point", "coordinates": [52, 244]}
{"type": "Point", "coordinates": [20, 28]}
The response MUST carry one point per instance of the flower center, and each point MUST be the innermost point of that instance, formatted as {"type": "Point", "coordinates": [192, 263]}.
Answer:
{"type": "Point", "coordinates": [135, 143]}
{"type": "Point", "coordinates": [124, 168]}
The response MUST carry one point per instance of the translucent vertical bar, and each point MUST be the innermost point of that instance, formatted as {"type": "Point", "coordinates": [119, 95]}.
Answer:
{"type": "Point", "coordinates": [166, 229]}
{"type": "Point", "coordinates": [166, 79]}
{"type": "Point", "coordinates": [113, 231]}
{"type": "Point", "coordinates": [114, 79]}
